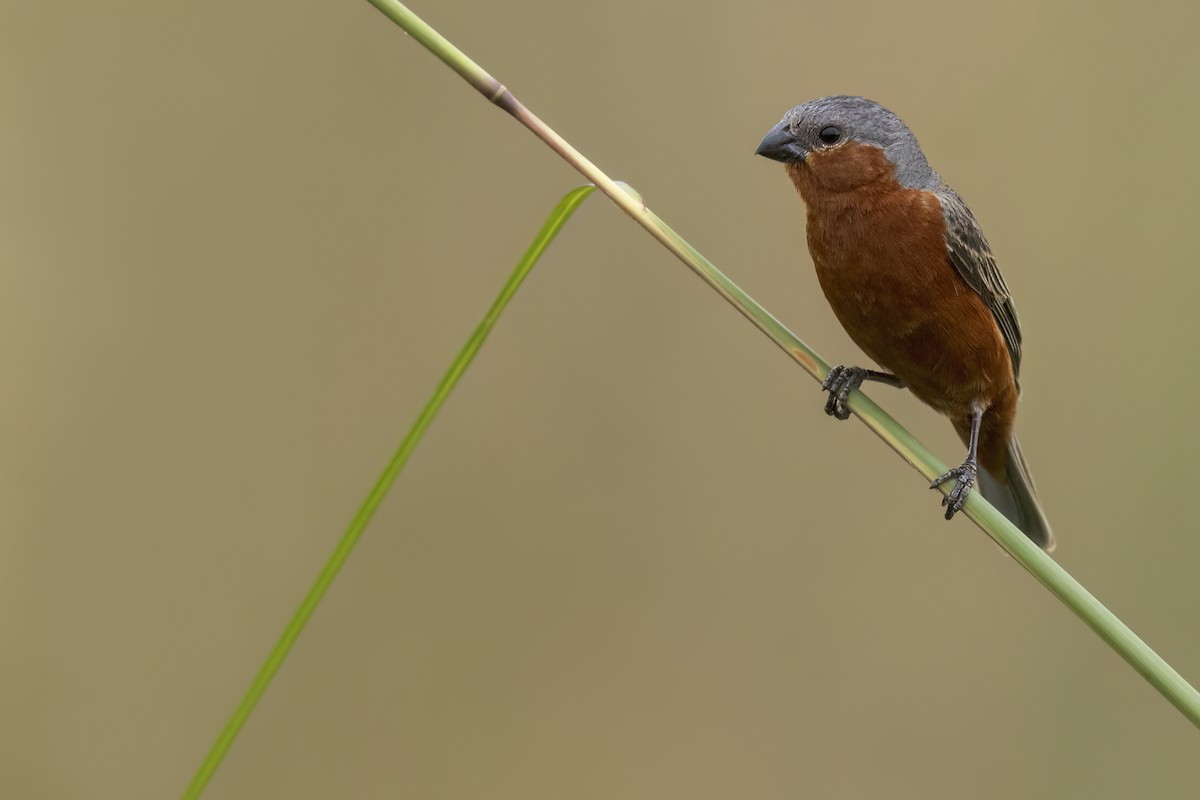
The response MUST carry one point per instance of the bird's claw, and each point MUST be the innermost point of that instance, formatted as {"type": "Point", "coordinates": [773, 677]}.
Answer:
{"type": "Point", "coordinates": [840, 382]}
{"type": "Point", "coordinates": [954, 500]}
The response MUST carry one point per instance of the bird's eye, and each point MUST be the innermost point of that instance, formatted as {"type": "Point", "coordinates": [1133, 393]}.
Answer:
{"type": "Point", "coordinates": [830, 135]}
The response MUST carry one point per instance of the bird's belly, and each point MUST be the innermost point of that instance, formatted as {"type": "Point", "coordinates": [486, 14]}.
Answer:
{"type": "Point", "coordinates": [918, 319]}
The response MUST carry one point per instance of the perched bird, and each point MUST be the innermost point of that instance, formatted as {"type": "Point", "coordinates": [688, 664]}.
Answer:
{"type": "Point", "coordinates": [911, 278]}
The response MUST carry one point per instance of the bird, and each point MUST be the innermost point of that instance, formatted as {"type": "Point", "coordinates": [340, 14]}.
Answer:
{"type": "Point", "coordinates": [910, 276]}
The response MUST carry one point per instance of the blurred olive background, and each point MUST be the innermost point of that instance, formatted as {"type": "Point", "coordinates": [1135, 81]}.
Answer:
{"type": "Point", "coordinates": [241, 242]}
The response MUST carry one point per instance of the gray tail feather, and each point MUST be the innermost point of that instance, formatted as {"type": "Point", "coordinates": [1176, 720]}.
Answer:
{"type": "Point", "coordinates": [1016, 497]}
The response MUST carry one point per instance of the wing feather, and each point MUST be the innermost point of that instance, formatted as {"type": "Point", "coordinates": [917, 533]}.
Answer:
{"type": "Point", "coordinates": [972, 257]}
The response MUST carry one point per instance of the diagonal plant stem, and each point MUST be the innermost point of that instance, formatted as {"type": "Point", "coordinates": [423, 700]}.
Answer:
{"type": "Point", "coordinates": [554, 223]}
{"type": "Point", "coordinates": [1139, 655]}
{"type": "Point", "coordinates": [1041, 566]}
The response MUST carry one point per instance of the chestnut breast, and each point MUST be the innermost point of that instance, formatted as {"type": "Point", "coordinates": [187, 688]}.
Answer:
{"type": "Point", "coordinates": [880, 253]}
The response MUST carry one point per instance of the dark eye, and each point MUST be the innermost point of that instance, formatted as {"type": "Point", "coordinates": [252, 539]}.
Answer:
{"type": "Point", "coordinates": [830, 135]}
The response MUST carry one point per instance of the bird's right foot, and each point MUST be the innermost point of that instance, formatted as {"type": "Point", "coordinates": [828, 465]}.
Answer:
{"type": "Point", "coordinates": [840, 382]}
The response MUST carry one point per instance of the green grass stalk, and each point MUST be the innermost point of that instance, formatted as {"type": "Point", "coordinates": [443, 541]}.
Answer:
{"type": "Point", "coordinates": [1139, 655]}
{"type": "Point", "coordinates": [554, 223]}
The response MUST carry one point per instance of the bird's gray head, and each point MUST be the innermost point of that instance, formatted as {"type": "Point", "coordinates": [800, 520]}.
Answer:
{"type": "Point", "coordinates": [830, 122]}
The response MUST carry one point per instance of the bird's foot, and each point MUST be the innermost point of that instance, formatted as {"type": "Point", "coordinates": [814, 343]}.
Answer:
{"type": "Point", "coordinates": [840, 382]}
{"type": "Point", "coordinates": [965, 474]}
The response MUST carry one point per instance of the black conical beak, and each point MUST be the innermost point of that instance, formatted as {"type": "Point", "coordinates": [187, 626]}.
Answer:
{"type": "Point", "coordinates": [780, 145]}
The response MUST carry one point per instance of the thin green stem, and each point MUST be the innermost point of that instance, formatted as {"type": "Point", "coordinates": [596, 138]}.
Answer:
{"type": "Point", "coordinates": [562, 212]}
{"type": "Point", "coordinates": [1139, 655]}
{"type": "Point", "coordinates": [1062, 585]}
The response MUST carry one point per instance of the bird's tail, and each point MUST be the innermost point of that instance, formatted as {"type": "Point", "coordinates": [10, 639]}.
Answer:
{"type": "Point", "coordinates": [1014, 495]}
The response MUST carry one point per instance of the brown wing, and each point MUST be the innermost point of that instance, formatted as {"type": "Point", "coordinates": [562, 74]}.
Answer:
{"type": "Point", "coordinates": [971, 256]}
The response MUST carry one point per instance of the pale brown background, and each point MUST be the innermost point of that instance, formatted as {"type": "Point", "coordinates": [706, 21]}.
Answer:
{"type": "Point", "coordinates": [240, 242]}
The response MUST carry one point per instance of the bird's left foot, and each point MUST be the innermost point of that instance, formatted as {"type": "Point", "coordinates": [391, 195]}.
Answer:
{"type": "Point", "coordinates": [840, 382]}
{"type": "Point", "coordinates": [962, 489]}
